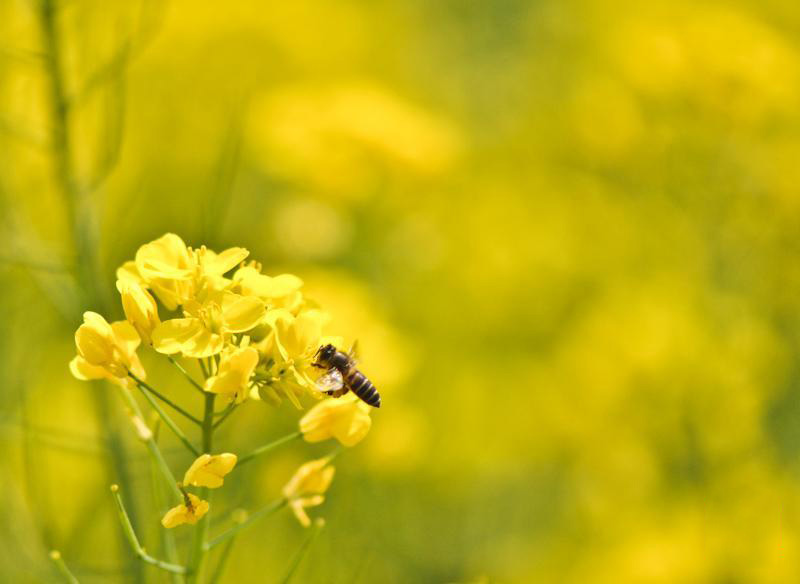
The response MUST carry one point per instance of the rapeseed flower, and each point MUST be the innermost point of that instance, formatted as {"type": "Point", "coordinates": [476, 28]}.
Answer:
{"type": "Point", "coordinates": [190, 511]}
{"type": "Point", "coordinates": [236, 367]}
{"type": "Point", "coordinates": [106, 351]}
{"type": "Point", "coordinates": [177, 273]}
{"type": "Point", "coordinates": [282, 291]}
{"type": "Point", "coordinates": [346, 419]}
{"type": "Point", "coordinates": [208, 325]}
{"type": "Point", "coordinates": [208, 470]}
{"type": "Point", "coordinates": [307, 487]}
{"type": "Point", "coordinates": [140, 308]}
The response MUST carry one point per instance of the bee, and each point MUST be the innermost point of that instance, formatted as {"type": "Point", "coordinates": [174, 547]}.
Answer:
{"type": "Point", "coordinates": [343, 376]}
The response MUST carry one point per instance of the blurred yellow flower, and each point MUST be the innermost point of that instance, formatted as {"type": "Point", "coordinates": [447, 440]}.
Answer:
{"type": "Point", "coordinates": [208, 325]}
{"type": "Point", "coordinates": [105, 351]}
{"type": "Point", "coordinates": [236, 367]}
{"type": "Point", "coordinates": [346, 419]}
{"type": "Point", "coordinates": [190, 511]}
{"type": "Point", "coordinates": [208, 470]}
{"type": "Point", "coordinates": [140, 308]}
{"type": "Point", "coordinates": [307, 486]}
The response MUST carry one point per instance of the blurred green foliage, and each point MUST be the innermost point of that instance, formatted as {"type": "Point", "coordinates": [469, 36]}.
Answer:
{"type": "Point", "coordinates": [565, 233]}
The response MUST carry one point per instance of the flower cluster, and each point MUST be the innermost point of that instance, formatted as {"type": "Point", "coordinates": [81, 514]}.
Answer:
{"type": "Point", "coordinates": [258, 334]}
{"type": "Point", "coordinates": [253, 337]}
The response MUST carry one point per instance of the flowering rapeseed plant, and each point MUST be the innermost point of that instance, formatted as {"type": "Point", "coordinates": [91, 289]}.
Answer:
{"type": "Point", "coordinates": [253, 337]}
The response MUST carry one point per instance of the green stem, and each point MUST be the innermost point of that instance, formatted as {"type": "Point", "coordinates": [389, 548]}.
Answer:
{"type": "Point", "coordinates": [186, 374]}
{"type": "Point", "coordinates": [167, 535]}
{"type": "Point", "coordinates": [168, 421]}
{"type": "Point", "coordinates": [134, 541]}
{"type": "Point", "coordinates": [68, 576]}
{"type": "Point", "coordinates": [223, 560]}
{"type": "Point", "coordinates": [198, 547]}
{"type": "Point", "coordinates": [301, 553]}
{"type": "Point", "coordinates": [142, 384]}
{"type": "Point", "coordinates": [152, 447]}
{"type": "Point", "coordinates": [228, 411]}
{"type": "Point", "coordinates": [267, 447]}
{"type": "Point", "coordinates": [261, 513]}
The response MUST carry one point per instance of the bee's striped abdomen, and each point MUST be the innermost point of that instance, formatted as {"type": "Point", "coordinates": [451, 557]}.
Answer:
{"type": "Point", "coordinates": [363, 387]}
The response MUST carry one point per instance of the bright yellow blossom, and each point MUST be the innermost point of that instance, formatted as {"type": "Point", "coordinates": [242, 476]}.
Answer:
{"type": "Point", "coordinates": [190, 511]}
{"type": "Point", "coordinates": [307, 487]}
{"type": "Point", "coordinates": [207, 326]}
{"type": "Point", "coordinates": [236, 367]}
{"type": "Point", "coordinates": [346, 419]}
{"type": "Point", "coordinates": [167, 266]}
{"type": "Point", "coordinates": [140, 308]}
{"type": "Point", "coordinates": [282, 291]}
{"type": "Point", "coordinates": [177, 274]}
{"type": "Point", "coordinates": [105, 351]}
{"type": "Point", "coordinates": [290, 348]}
{"type": "Point", "coordinates": [208, 470]}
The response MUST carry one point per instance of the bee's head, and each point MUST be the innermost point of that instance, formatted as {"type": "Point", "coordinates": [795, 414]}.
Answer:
{"type": "Point", "coordinates": [325, 353]}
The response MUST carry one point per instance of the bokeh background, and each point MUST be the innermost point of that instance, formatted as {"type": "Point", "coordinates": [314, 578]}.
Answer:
{"type": "Point", "coordinates": [565, 232]}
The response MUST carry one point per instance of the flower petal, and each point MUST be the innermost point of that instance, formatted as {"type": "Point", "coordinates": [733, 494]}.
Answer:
{"type": "Point", "coordinates": [241, 313]}
{"type": "Point", "coordinates": [172, 336]}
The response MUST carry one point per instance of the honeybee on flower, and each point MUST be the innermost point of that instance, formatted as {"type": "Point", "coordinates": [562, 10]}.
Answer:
{"type": "Point", "coordinates": [253, 336]}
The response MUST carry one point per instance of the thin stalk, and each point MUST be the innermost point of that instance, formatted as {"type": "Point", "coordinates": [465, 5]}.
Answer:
{"type": "Point", "coordinates": [143, 385]}
{"type": "Point", "coordinates": [137, 548]}
{"type": "Point", "coordinates": [80, 219]}
{"type": "Point", "coordinates": [186, 374]}
{"type": "Point", "coordinates": [152, 447]}
{"type": "Point", "coordinates": [168, 421]}
{"type": "Point", "coordinates": [228, 411]}
{"type": "Point", "coordinates": [267, 447]}
{"type": "Point", "coordinates": [223, 560]}
{"type": "Point", "coordinates": [260, 514]}
{"type": "Point", "coordinates": [203, 369]}
{"type": "Point", "coordinates": [301, 553]}
{"type": "Point", "coordinates": [68, 576]}
{"type": "Point", "coordinates": [167, 535]}
{"type": "Point", "coordinates": [197, 551]}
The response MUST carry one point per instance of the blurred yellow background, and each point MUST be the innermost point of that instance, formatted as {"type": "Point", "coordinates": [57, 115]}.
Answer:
{"type": "Point", "coordinates": [565, 232]}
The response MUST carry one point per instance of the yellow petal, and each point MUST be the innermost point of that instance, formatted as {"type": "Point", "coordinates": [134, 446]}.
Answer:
{"type": "Point", "coordinates": [204, 344]}
{"type": "Point", "coordinates": [346, 419]}
{"type": "Point", "coordinates": [218, 264]}
{"type": "Point", "coordinates": [166, 257]}
{"type": "Point", "coordinates": [208, 470]}
{"type": "Point", "coordinates": [95, 339]}
{"type": "Point", "coordinates": [139, 307]}
{"type": "Point", "coordinates": [128, 272]}
{"type": "Point", "coordinates": [171, 336]}
{"type": "Point", "coordinates": [241, 313]}
{"type": "Point", "coordinates": [85, 371]}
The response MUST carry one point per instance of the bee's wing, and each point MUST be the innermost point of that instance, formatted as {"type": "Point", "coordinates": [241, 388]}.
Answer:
{"type": "Point", "coordinates": [331, 381]}
{"type": "Point", "coordinates": [354, 353]}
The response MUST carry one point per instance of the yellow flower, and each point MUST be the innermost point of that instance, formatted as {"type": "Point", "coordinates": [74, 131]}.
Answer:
{"type": "Point", "coordinates": [176, 273]}
{"type": "Point", "coordinates": [190, 511]}
{"type": "Point", "coordinates": [233, 377]}
{"type": "Point", "coordinates": [168, 268]}
{"type": "Point", "coordinates": [105, 351]}
{"type": "Point", "coordinates": [282, 291]}
{"type": "Point", "coordinates": [346, 419]}
{"type": "Point", "coordinates": [307, 486]}
{"type": "Point", "coordinates": [208, 470]}
{"type": "Point", "coordinates": [208, 326]}
{"type": "Point", "coordinates": [140, 308]}
{"type": "Point", "coordinates": [290, 348]}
